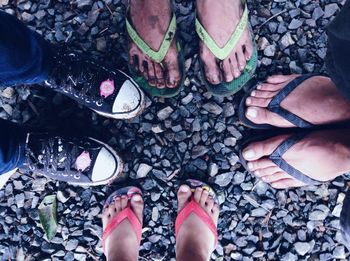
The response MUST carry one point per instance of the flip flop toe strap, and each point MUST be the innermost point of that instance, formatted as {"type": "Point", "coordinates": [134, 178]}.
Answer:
{"type": "Point", "coordinates": [115, 222]}
{"type": "Point", "coordinates": [275, 104]}
{"type": "Point", "coordinates": [195, 208]}
{"type": "Point", "coordinates": [276, 157]}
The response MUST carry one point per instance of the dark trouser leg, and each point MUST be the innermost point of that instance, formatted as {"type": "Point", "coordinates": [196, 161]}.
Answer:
{"type": "Point", "coordinates": [338, 56]}
{"type": "Point", "coordinates": [12, 146]}
{"type": "Point", "coordinates": [25, 57]}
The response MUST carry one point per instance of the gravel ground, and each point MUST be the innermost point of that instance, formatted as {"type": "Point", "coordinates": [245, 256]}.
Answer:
{"type": "Point", "coordinates": [192, 135]}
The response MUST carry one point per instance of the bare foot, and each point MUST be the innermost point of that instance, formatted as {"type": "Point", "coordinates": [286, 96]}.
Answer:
{"type": "Point", "coordinates": [220, 19]}
{"type": "Point", "coordinates": [322, 155]}
{"type": "Point", "coordinates": [316, 100]}
{"type": "Point", "coordinates": [151, 19]}
{"type": "Point", "coordinates": [195, 241]}
{"type": "Point", "coordinates": [122, 243]}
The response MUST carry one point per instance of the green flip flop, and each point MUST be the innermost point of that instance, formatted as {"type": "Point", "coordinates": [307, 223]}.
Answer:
{"type": "Point", "coordinates": [158, 57]}
{"type": "Point", "coordinates": [229, 88]}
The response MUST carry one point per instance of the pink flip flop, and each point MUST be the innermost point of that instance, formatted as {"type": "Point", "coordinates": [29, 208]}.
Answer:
{"type": "Point", "coordinates": [127, 213]}
{"type": "Point", "coordinates": [195, 208]}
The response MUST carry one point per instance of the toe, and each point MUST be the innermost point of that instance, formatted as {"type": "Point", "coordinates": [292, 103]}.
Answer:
{"type": "Point", "coordinates": [266, 171]}
{"type": "Point", "coordinates": [261, 115]}
{"type": "Point", "coordinates": [197, 194]}
{"type": "Point", "coordinates": [277, 79]}
{"type": "Point", "coordinates": [260, 164]}
{"type": "Point", "coordinates": [248, 46]}
{"type": "Point", "coordinates": [209, 204]}
{"type": "Point", "coordinates": [215, 212]}
{"type": "Point", "coordinates": [275, 177]}
{"type": "Point", "coordinates": [137, 206]}
{"type": "Point", "coordinates": [287, 183]}
{"type": "Point", "coordinates": [105, 216]}
{"type": "Point", "coordinates": [226, 68]}
{"type": "Point", "coordinates": [234, 66]}
{"type": "Point", "coordinates": [117, 204]}
{"type": "Point", "coordinates": [160, 82]}
{"type": "Point", "coordinates": [241, 60]}
{"type": "Point", "coordinates": [151, 74]}
{"type": "Point", "coordinates": [256, 150]}
{"type": "Point", "coordinates": [124, 202]}
{"type": "Point", "coordinates": [211, 68]}
{"type": "Point", "coordinates": [263, 94]}
{"type": "Point", "coordinates": [204, 198]}
{"type": "Point", "coordinates": [173, 75]}
{"type": "Point", "coordinates": [258, 102]}
{"type": "Point", "coordinates": [183, 196]}
{"type": "Point", "coordinates": [271, 87]}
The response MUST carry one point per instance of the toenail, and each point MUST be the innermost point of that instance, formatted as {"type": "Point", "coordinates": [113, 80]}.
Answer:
{"type": "Point", "coordinates": [252, 112]}
{"type": "Point", "coordinates": [257, 172]}
{"type": "Point", "coordinates": [215, 78]}
{"type": "Point", "coordinates": [249, 154]}
{"type": "Point", "coordinates": [248, 101]}
{"type": "Point", "coordinates": [250, 166]}
{"type": "Point", "coordinates": [184, 189]}
{"type": "Point", "coordinates": [258, 87]}
{"type": "Point", "coordinates": [136, 198]}
{"type": "Point", "coordinates": [253, 93]}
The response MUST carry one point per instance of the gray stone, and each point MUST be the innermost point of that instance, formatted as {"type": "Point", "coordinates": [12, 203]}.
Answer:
{"type": "Point", "coordinates": [295, 24]}
{"type": "Point", "coordinates": [212, 107]}
{"type": "Point", "coordinates": [302, 248]}
{"type": "Point", "coordinates": [165, 113]}
{"type": "Point", "coordinates": [143, 170]}
{"type": "Point", "coordinates": [270, 50]}
{"type": "Point", "coordinates": [224, 179]}
{"type": "Point", "coordinates": [286, 40]}
{"type": "Point", "coordinates": [330, 10]}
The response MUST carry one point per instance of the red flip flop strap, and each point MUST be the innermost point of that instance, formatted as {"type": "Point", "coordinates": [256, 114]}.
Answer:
{"type": "Point", "coordinates": [114, 223]}
{"type": "Point", "coordinates": [194, 207]}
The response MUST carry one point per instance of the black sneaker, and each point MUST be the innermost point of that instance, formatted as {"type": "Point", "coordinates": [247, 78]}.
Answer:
{"type": "Point", "coordinates": [84, 161]}
{"type": "Point", "coordinates": [110, 93]}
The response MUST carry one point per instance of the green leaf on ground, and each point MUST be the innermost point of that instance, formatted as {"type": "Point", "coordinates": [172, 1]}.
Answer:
{"type": "Point", "coordinates": [48, 215]}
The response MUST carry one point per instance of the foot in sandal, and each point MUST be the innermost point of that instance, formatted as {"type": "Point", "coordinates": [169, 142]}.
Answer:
{"type": "Point", "coordinates": [304, 158]}
{"type": "Point", "coordinates": [122, 224]}
{"type": "Point", "coordinates": [152, 21]}
{"type": "Point", "coordinates": [226, 46]}
{"type": "Point", "coordinates": [196, 237]}
{"type": "Point", "coordinates": [294, 101]}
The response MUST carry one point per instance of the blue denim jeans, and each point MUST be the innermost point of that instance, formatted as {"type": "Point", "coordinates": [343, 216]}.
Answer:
{"type": "Point", "coordinates": [25, 58]}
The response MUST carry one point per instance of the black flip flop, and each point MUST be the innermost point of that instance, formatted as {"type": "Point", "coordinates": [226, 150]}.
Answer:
{"type": "Point", "coordinates": [277, 154]}
{"type": "Point", "coordinates": [275, 106]}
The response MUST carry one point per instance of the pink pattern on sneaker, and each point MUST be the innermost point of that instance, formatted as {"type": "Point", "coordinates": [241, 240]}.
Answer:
{"type": "Point", "coordinates": [83, 161]}
{"type": "Point", "coordinates": [107, 88]}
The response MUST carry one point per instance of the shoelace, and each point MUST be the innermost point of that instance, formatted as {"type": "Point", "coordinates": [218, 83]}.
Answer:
{"type": "Point", "coordinates": [81, 80]}
{"type": "Point", "coordinates": [56, 156]}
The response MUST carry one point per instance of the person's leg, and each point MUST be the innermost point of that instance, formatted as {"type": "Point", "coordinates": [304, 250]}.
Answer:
{"type": "Point", "coordinates": [195, 241]}
{"type": "Point", "coordinates": [122, 243]}
{"type": "Point", "coordinates": [337, 60]}
{"type": "Point", "coordinates": [25, 57]}
{"type": "Point", "coordinates": [12, 147]}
